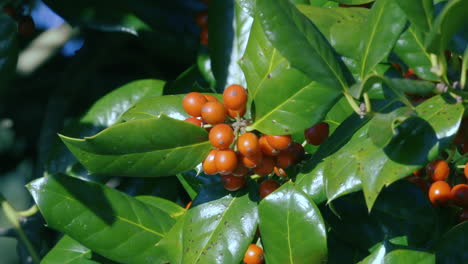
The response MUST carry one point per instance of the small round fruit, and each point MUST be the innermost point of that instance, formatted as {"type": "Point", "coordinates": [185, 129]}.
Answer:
{"type": "Point", "coordinates": [233, 113]}
{"type": "Point", "coordinates": [459, 195]}
{"type": "Point", "coordinates": [194, 121]}
{"type": "Point", "coordinates": [285, 159]}
{"type": "Point", "coordinates": [247, 144]}
{"type": "Point", "coordinates": [234, 97]}
{"type": "Point", "coordinates": [439, 193]}
{"type": "Point", "coordinates": [241, 170]}
{"type": "Point", "coordinates": [213, 112]}
{"type": "Point", "coordinates": [279, 142]}
{"type": "Point", "coordinates": [298, 151]}
{"type": "Point", "coordinates": [204, 36]}
{"type": "Point", "coordinates": [465, 170]}
{"type": "Point", "coordinates": [26, 26]}
{"type": "Point", "coordinates": [267, 187]}
{"type": "Point", "coordinates": [266, 148]}
{"type": "Point", "coordinates": [266, 167]}
{"type": "Point", "coordinates": [209, 165]}
{"type": "Point", "coordinates": [232, 183]}
{"type": "Point", "coordinates": [202, 19]}
{"type": "Point", "coordinates": [280, 172]}
{"type": "Point", "coordinates": [210, 98]}
{"type": "Point", "coordinates": [226, 161]}
{"type": "Point", "coordinates": [252, 161]}
{"type": "Point", "coordinates": [438, 170]}
{"type": "Point", "coordinates": [193, 103]}
{"type": "Point", "coordinates": [317, 134]}
{"type": "Point", "coordinates": [253, 255]}
{"type": "Point", "coordinates": [221, 136]}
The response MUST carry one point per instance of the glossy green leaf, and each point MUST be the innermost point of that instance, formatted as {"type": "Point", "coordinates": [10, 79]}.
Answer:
{"type": "Point", "coordinates": [151, 147]}
{"type": "Point", "coordinates": [354, 2]}
{"type": "Point", "coordinates": [385, 23]}
{"type": "Point", "coordinates": [248, 6]}
{"type": "Point", "coordinates": [420, 12]}
{"type": "Point", "coordinates": [102, 219]}
{"type": "Point", "coordinates": [104, 113]}
{"type": "Point", "coordinates": [448, 22]}
{"type": "Point", "coordinates": [204, 66]}
{"type": "Point", "coordinates": [218, 231]}
{"type": "Point", "coordinates": [451, 248]}
{"type": "Point", "coordinates": [300, 42]}
{"type": "Point", "coordinates": [68, 251]}
{"type": "Point", "coordinates": [464, 69]}
{"type": "Point", "coordinates": [410, 256]}
{"type": "Point", "coordinates": [8, 50]}
{"type": "Point", "coordinates": [423, 88]}
{"type": "Point", "coordinates": [229, 28]}
{"type": "Point", "coordinates": [286, 100]}
{"type": "Point", "coordinates": [376, 257]}
{"type": "Point", "coordinates": [292, 227]}
{"type": "Point", "coordinates": [418, 141]}
{"type": "Point", "coordinates": [410, 48]}
{"type": "Point", "coordinates": [170, 208]}
{"type": "Point", "coordinates": [382, 127]}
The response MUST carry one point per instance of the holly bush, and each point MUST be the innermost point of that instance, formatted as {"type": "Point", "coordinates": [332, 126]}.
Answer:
{"type": "Point", "coordinates": [368, 96]}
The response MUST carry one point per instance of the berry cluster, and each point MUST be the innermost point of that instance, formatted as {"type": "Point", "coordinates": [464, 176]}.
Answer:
{"type": "Point", "coordinates": [26, 25]}
{"type": "Point", "coordinates": [237, 153]}
{"type": "Point", "coordinates": [202, 21]}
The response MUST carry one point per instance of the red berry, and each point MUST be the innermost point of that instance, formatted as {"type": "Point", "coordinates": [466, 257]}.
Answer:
{"type": "Point", "coordinates": [213, 112]}
{"type": "Point", "coordinates": [253, 255]}
{"type": "Point", "coordinates": [459, 195]}
{"type": "Point", "coordinates": [439, 193]}
{"type": "Point", "coordinates": [247, 144]}
{"type": "Point", "coordinates": [193, 103]}
{"type": "Point", "coordinates": [194, 121]}
{"type": "Point", "coordinates": [317, 134]}
{"type": "Point", "coordinates": [241, 170]}
{"type": "Point", "coordinates": [266, 148]}
{"type": "Point", "coordinates": [209, 165]}
{"type": "Point", "coordinates": [226, 161]}
{"type": "Point", "coordinates": [210, 98]}
{"type": "Point", "coordinates": [236, 113]}
{"type": "Point", "coordinates": [235, 97]}
{"type": "Point", "coordinates": [252, 161]}
{"type": "Point", "coordinates": [204, 36]}
{"type": "Point", "coordinates": [266, 167]}
{"type": "Point", "coordinates": [267, 187]}
{"type": "Point", "coordinates": [279, 142]}
{"type": "Point", "coordinates": [221, 136]}
{"type": "Point", "coordinates": [438, 170]}
{"type": "Point", "coordinates": [232, 183]}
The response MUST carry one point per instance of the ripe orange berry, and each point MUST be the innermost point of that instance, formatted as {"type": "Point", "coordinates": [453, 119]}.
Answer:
{"type": "Point", "coordinates": [279, 142]}
{"type": "Point", "coordinates": [194, 121]}
{"type": "Point", "coordinates": [438, 170]}
{"type": "Point", "coordinates": [233, 113]}
{"type": "Point", "coordinates": [253, 255]}
{"type": "Point", "coordinates": [210, 98]}
{"type": "Point", "coordinates": [439, 193]}
{"type": "Point", "coordinates": [241, 170]}
{"type": "Point", "coordinates": [209, 165]}
{"type": "Point", "coordinates": [204, 36]}
{"type": "Point", "coordinates": [465, 170]}
{"type": "Point", "coordinates": [202, 19]}
{"type": "Point", "coordinates": [213, 112]}
{"type": "Point", "coordinates": [266, 167]}
{"type": "Point", "coordinates": [193, 103]}
{"type": "Point", "coordinates": [252, 161]}
{"type": "Point", "coordinates": [459, 195]}
{"type": "Point", "coordinates": [266, 148]}
{"type": "Point", "coordinates": [234, 97]}
{"type": "Point", "coordinates": [267, 187]}
{"type": "Point", "coordinates": [232, 183]}
{"type": "Point", "coordinates": [226, 161]}
{"type": "Point", "coordinates": [285, 159]}
{"type": "Point", "coordinates": [247, 144]}
{"type": "Point", "coordinates": [317, 134]}
{"type": "Point", "coordinates": [221, 136]}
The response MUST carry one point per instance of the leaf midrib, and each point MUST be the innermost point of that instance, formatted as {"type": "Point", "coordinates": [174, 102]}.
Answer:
{"type": "Point", "coordinates": [371, 39]}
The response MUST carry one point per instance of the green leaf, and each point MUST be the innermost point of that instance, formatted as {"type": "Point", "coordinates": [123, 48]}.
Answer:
{"type": "Point", "coordinates": [385, 23]}
{"type": "Point", "coordinates": [300, 42]}
{"type": "Point", "coordinates": [450, 20]}
{"type": "Point", "coordinates": [286, 100]}
{"type": "Point", "coordinates": [104, 113]}
{"type": "Point", "coordinates": [382, 127]}
{"type": "Point", "coordinates": [354, 2]}
{"type": "Point", "coordinates": [218, 231]}
{"type": "Point", "coordinates": [170, 208]}
{"type": "Point", "coordinates": [292, 227]}
{"type": "Point", "coordinates": [410, 48]}
{"type": "Point", "coordinates": [150, 147]}
{"type": "Point", "coordinates": [229, 28]}
{"type": "Point", "coordinates": [451, 248]}
{"type": "Point", "coordinates": [418, 141]}
{"type": "Point", "coordinates": [423, 88]}
{"type": "Point", "coordinates": [68, 251]}
{"type": "Point", "coordinates": [102, 219]}
{"type": "Point", "coordinates": [248, 6]}
{"type": "Point", "coordinates": [409, 256]}
{"type": "Point", "coordinates": [421, 20]}
{"type": "Point", "coordinates": [464, 69]}
{"type": "Point", "coordinates": [8, 50]}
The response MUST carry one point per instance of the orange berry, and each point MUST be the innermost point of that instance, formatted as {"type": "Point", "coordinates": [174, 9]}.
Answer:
{"type": "Point", "coordinates": [439, 193]}
{"type": "Point", "coordinates": [241, 170]}
{"type": "Point", "coordinates": [193, 103]}
{"type": "Point", "coordinates": [211, 98]}
{"type": "Point", "coordinates": [465, 170]}
{"type": "Point", "coordinates": [266, 148]}
{"type": "Point", "coordinates": [285, 159]}
{"type": "Point", "coordinates": [438, 170]}
{"type": "Point", "coordinates": [247, 144]}
{"type": "Point", "coordinates": [194, 121]}
{"type": "Point", "coordinates": [266, 167]}
{"type": "Point", "coordinates": [232, 183]}
{"type": "Point", "coordinates": [221, 136]}
{"type": "Point", "coordinates": [234, 97]}
{"type": "Point", "coordinates": [252, 161]}
{"type": "Point", "coordinates": [233, 113]}
{"type": "Point", "coordinates": [213, 112]}
{"type": "Point", "coordinates": [204, 36]}
{"type": "Point", "coordinates": [279, 142]}
{"type": "Point", "coordinates": [253, 255]}
{"type": "Point", "coordinates": [267, 187]}
{"type": "Point", "coordinates": [317, 134]}
{"type": "Point", "coordinates": [226, 161]}
{"type": "Point", "coordinates": [459, 195]}
{"type": "Point", "coordinates": [209, 164]}
{"type": "Point", "coordinates": [202, 19]}
{"type": "Point", "coordinates": [280, 172]}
